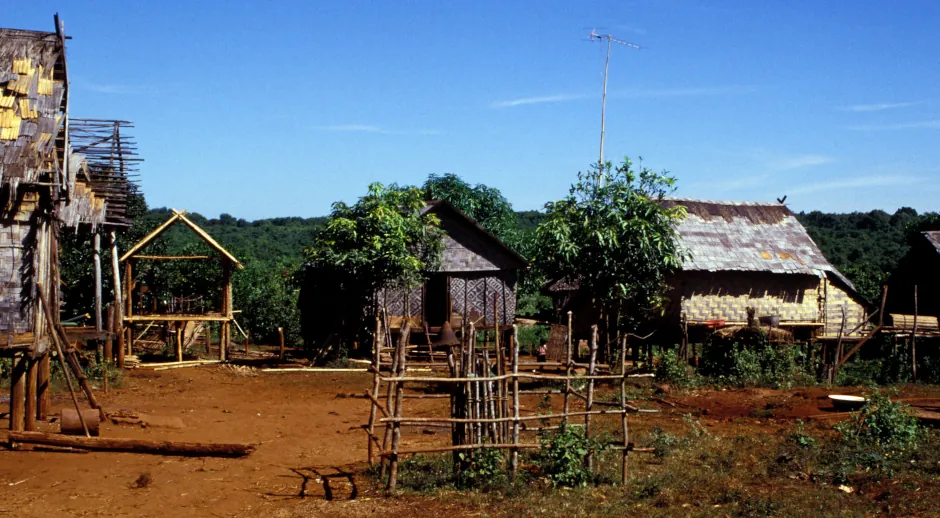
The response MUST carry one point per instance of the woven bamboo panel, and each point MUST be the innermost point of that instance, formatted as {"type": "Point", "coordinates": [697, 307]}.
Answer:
{"type": "Point", "coordinates": [836, 299]}
{"type": "Point", "coordinates": [727, 297]}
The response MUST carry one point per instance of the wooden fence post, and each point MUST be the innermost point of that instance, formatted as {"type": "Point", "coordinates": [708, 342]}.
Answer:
{"type": "Point", "coordinates": [623, 410]}
{"type": "Point", "coordinates": [401, 352]}
{"type": "Point", "coordinates": [592, 365]}
{"type": "Point", "coordinates": [514, 459]}
{"type": "Point", "coordinates": [376, 381]}
{"type": "Point", "coordinates": [280, 334]}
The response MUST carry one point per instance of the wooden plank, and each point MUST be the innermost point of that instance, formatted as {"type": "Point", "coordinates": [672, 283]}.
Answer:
{"type": "Point", "coordinates": [153, 235]}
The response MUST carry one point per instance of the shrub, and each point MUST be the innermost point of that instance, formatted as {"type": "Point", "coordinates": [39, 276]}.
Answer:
{"type": "Point", "coordinates": [484, 468]}
{"type": "Point", "coordinates": [883, 423]}
{"type": "Point", "coordinates": [749, 359]}
{"type": "Point", "coordinates": [562, 457]}
{"type": "Point", "coordinates": [663, 441]}
{"type": "Point", "coordinates": [674, 370]}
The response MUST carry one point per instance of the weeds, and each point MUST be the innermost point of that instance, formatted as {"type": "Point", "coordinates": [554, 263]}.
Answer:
{"type": "Point", "coordinates": [562, 457]}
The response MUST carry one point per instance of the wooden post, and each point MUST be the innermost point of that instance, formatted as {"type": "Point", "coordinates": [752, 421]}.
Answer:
{"type": "Point", "coordinates": [376, 382]}
{"type": "Point", "coordinates": [108, 352]}
{"type": "Point", "coordinates": [32, 369]}
{"type": "Point", "coordinates": [592, 365]}
{"type": "Point", "coordinates": [514, 458]}
{"type": "Point", "coordinates": [43, 394]}
{"type": "Point", "coordinates": [623, 410]}
{"type": "Point", "coordinates": [834, 369]}
{"type": "Point", "coordinates": [914, 340]}
{"type": "Point", "coordinates": [246, 345]}
{"type": "Point", "coordinates": [119, 329]}
{"type": "Point", "coordinates": [564, 422]}
{"type": "Point", "coordinates": [399, 399]}
{"type": "Point", "coordinates": [18, 393]}
{"type": "Point", "coordinates": [280, 334]}
{"type": "Point", "coordinates": [96, 259]}
{"type": "Point", "coordinates": [225, 340]}
{"type": "Point", "coordinates": [180, 327]}
{"type": "Point", "coordinates": [119, 302]}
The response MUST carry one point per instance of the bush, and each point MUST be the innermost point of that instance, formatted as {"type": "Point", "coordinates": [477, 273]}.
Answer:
{"type": "Point", "coordinates": [883, 423]}
{"type": "Point", "coordinates": [563, 454]}
{"type": "Point", "coordinates": [674, 370]}
{"type": "Point", "coordinates": [749, 359]}
{"type": "Point", "coordinates": [485, 468]}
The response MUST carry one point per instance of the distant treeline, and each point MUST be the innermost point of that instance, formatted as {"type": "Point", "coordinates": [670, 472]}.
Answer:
{"type": "Point", "coordinates": [865, 246]}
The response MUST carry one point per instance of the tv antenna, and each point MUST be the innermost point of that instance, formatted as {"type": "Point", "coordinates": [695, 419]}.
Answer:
{"type": "Point", "coordinates": [610, 39]}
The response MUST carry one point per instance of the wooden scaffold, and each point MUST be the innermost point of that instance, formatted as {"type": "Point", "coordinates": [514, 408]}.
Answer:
{"type": "Point", "coordinates": [175, 321]}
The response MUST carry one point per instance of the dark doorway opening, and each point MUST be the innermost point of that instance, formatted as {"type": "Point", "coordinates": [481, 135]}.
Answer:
{"type": "Point", "coordinates": [435, 301]}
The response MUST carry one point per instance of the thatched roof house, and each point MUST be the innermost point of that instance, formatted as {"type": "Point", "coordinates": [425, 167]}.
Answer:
{"type": "Point", "coordinates": [753, 255]}
{"type": "Point", "coordinates": [477, 277]}
{"type": "Point", "coordinates": [476, 282]}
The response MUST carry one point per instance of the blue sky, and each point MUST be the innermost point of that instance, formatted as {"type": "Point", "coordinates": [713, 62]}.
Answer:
{"type": "Point", "coordinates": [280, 108]}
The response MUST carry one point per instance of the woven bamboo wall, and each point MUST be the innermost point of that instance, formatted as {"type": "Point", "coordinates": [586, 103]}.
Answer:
{"type": "Point", "coordinates": [836, 299]}
{"type": "Point", "coordinates": [727, 295]}
{"type": "Point", "coordinates": [18, 234]}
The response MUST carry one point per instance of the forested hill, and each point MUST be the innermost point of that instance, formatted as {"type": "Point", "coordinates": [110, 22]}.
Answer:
{"type": "Point", "coordinates": [275, 240]}
{"type": "Point", "coordinates": [866, 246]}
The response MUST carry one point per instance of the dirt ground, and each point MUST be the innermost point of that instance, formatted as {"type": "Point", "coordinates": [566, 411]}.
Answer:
{"type": "Point", "coordinates": [306, 429]}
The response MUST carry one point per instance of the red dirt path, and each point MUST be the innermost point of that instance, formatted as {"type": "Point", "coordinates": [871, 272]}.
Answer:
{"type": "Point", "coordinates": [301, 429]}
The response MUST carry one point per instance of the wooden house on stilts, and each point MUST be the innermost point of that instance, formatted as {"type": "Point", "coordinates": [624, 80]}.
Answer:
{"type": "Point", "coordinates": [46, 185]}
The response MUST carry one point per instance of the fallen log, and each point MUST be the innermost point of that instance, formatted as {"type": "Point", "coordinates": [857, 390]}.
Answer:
{"type": "Point", "coordinates": [183, 449]}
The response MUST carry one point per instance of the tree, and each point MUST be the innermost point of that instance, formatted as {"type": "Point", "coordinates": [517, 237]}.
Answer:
{"type": "Point", "coordinates": [614, 237]}
{"type": "Point", "coordinates": [484, 204]}
{"type": "Point", "coordinates": [383, 241]}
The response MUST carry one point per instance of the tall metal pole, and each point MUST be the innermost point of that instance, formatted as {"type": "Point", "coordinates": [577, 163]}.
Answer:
{"type": "Point", "coordinates": [610, 39]}
{"type": "Point", "coordinates": [600, 161]}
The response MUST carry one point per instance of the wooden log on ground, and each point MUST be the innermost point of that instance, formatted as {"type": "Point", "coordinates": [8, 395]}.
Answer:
{"type": "Point", "coordinates": [183, 449]}
{"type": "Point", "coordinates": [71, 424]}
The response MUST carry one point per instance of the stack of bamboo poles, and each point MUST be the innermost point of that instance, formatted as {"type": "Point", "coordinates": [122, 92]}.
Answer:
{"type": "Point", "coordinates": [484, 400]}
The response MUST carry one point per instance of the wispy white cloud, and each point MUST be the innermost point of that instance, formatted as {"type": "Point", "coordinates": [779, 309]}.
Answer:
{"type": "Point", "coordinates": [522, 101]}
{"type": "Point", "coordinates": [687, 91]}
{"type": "Point", "coordinates": [371, 128]}
{"type": "Point", "coordinates": [856, 183]}
{"type": "Point", "coordinates": [877, 107]}
{"type": "Point", "coordinates": [117, 88]}
{"type": "Point", "coordinates": [929, 124]}
{"type": "Point", "coordinates": [797, 161]}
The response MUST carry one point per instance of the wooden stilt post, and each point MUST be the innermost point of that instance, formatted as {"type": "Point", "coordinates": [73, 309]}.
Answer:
{"type": "Point", "coordinates": [592, 365]}
{"type": "Point", "coordinates": [18, 393]}
{"type": "Point", "coordinates": [280, 335]}
{"type": "Point", "coordinates": [43, 394]}
{"type": "Point", "coordinates": [122, 304]}
{"type": "Point", "coordinates": [108, 352]}
{"type": "Point", "coordinates": [32, 370]}
{"type": "Point", "coordinates": [96, 258]}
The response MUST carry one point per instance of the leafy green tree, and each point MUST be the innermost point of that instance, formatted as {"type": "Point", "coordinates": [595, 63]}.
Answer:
{"type": "Point", "coordinates": [612, 235]}
{"type": "Point", "coordinates": [383, 241]}
{"type": "Point", "coordinates": [484, 204]}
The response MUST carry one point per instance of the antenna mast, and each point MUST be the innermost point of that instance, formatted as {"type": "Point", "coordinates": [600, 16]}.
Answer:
{"type": "Point", "coordinates": [610, 39]}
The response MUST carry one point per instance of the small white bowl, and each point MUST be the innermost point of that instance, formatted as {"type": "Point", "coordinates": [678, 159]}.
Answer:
{"type": "Point", "coordinates": [844, 403]}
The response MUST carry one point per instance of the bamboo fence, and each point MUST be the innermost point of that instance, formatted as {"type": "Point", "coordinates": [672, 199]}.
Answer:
{"type": "Point", "coordinates": [484, 410]}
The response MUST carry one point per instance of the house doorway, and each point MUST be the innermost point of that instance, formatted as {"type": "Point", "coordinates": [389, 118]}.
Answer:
{"type": "Point", "coordinates": [435, 299]}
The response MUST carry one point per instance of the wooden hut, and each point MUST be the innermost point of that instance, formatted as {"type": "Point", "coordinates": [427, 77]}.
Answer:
{"type": "Point", "coordinates": [918, 268]}
{"type": "Point", "coordinates": [750, 255]}
{"type": "Point", "coordinates": [475, 283]}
